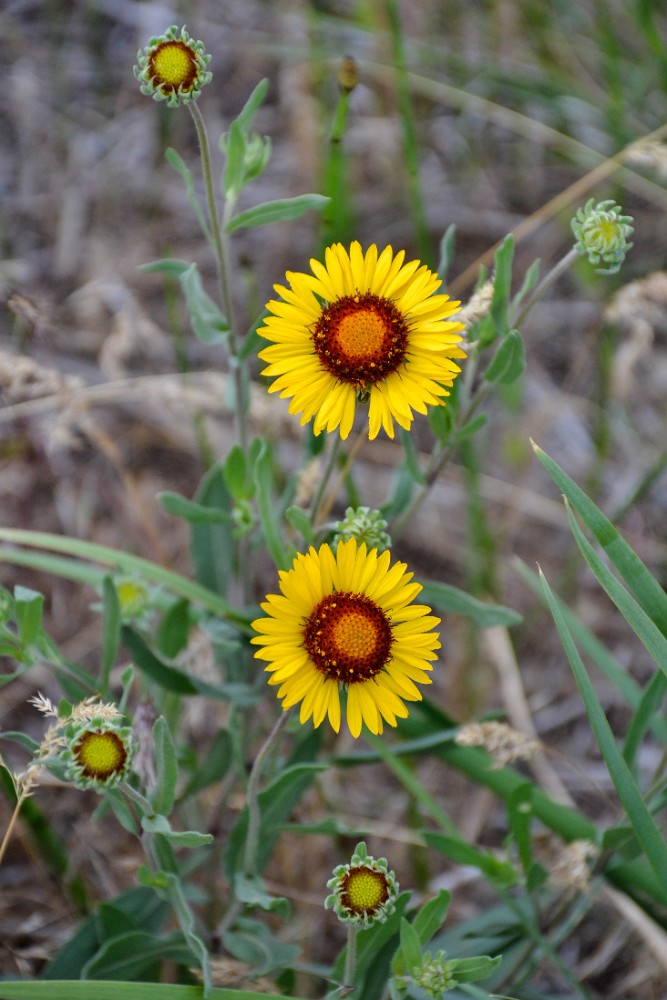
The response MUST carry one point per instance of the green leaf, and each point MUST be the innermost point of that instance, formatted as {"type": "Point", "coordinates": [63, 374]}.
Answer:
{"type": "Point", "coordinates": [263, 473]}
{"type": "Point", "coordinates": [7, 782]}
{"type": "Point", "coordinates": [444, 597]}
{"type": "Point", "coordinates": [168, 265]}
{"type": "Point", "coordinates": [168, 677]}
{"type": "Point", "coordinates": [141, 907]}
{"type": "Point", "coordinates": [497, 871]}
{"type": "Point", "coordinates": [430, 917]}
{"type": "Point", "coordinates": [502, 281]}
{"type": "Point", "coordinates": [174, 629]}
{"type": "Point", "coordinates": [253, 943]}
{"type": "Point", "coordinates": [190, 510]}
{"type": "Point", "coordinates": [281, 210]}
{"type": "Point", "coordinates": [529, 282]}
{"type": "Point", "coordinates": [252, 105]}
{"type": "Point", "coordinates": [250, 889]}
{"type": "Point", "coordinates": [467, 970]}
{"type": "Point", "coordinates": [166, 767]}
{"type": "Point", "coordinates": [159, 824]}
{"type": "Point", "coordinates": [447, 246]}
{"type": "Point", "coordinates": [110, 629]}
{"type": "Point", "coordinates": [300, 520]}
{"type": "Point", "coordinates": [213, 766]}
{"type": "Point", "coordinates": [411, 459]}
{"type": "Point", "coordinates": [208, 322]}
{"type": "Point", "coordinates": [509, 360]}
{"type": "Point", "coordinates": [27, 742]}
{"type": "Point", "coordinates": [474, 425]}
{"type": "Point", "coordinates": [37, 989]}
{"type": "Point", "coordinates": [28, 607]}
{"type": "Point", "coordinates": [520, 814]}
{"type": "Point", "coordinates": [427, 921]}
{"type": "Point", "coordinates": [236, 475]}
{"type": "Point", "coordinates": [276, 802]}
{"type": "Point", "coordinates": [131, 954]}
{"type": "Point", "coordinates": [235, 149]}
{"type": "Point", "coordinates": [638, 578]}
{"type": "Point", "coordinates": [176, 161]}
{"type": "Point", "coordinates": [212, 546]}
{"type": "Point", "coordinates": [411, 949]}
{"type": "Point", "coordinates": [441, 421]}
{"type": "Point", "coordinates": [647, 832]}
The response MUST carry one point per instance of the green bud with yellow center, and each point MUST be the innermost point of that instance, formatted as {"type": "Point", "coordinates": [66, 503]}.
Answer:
{"type": "Point", "coordinates": [98, 752]}
{"type": "Point", "coordinates": [172, 67]}
{"type": "Point", "coordinates": [364, 891]}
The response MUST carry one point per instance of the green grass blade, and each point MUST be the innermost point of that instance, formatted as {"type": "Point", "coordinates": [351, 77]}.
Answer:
{"type": "Point", "coordinates": [607, 664]}
{"type": "Point", "coordinates": [122, 562]}
{"type": "Point", "coordinates": [90, 990]}
{"type": "Point", "coordinates": [647, 709]}
{"type": "Point", "coordinates": [646, 831]}
{"type": "Point", "coordinates": [639, 579]}
{"type": "Point", "coordinates": [644, 627]}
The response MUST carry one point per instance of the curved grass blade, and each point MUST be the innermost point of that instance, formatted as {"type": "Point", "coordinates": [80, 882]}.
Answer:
{"type": "Point", "coordinates": [646, 831]}
{"type": "Point", "coordinates": [644, 626]}
{"type": "Point", "coordinates": [123, 562]}
{"type": "Point", "coordinates": [637, 576]}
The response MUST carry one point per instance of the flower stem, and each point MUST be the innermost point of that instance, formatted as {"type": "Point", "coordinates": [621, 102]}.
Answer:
{"type": "Point", "coordinates": [332, 460]}
{"type": "Point", "coordinates": [546, 282]}
{"type": "Point", "coordinates": [441, 457]}
{"type": "Point", "coordinates": [12, 822]}
{"type": "Point", "coordinates": [220, 244]}
{"type": "Point", "coordinates": [410, 143]}
{"type": "Point", "coordinates": [350, 959]}
{"type": "Point", "coordinates": [254, 812]}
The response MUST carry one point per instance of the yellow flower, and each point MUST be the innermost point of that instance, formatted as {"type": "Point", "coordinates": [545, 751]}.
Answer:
{"type": "Point", "coordinates": [346, 620]}
{"type": "Point", "coordinates": [361, 327]}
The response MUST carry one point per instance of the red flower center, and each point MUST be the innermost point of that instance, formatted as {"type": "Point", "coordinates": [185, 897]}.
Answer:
{"type": "Point", "coordinates": [348, 637]}
{"type": "Point", "coordinates": [361, 338]}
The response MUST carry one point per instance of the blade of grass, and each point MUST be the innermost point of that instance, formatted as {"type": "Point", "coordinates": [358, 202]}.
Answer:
{"type": "Point", "coordinates": [643, 626]}
{"type": "Point", "coordinates": [647, 709]}
{"type": "Point", "coordinates": [639, 579]}
{"type": "Point", "coordinates": [408, 779]}
{"type": "Point", "coordinates": [646, 831]}
{"type": "Point", "coordinates": [607, 664]}
{"type": "Point", "coordinates": [32, 989]}
{"type": "Point", "coordinates": [123, 562]}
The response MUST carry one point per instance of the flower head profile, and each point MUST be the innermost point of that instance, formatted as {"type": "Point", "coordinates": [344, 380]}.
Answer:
{"type": "Point", "coordinates": [346, 621]}
{"type": "Point", "coordinates": [362, 327]}
{"type": "Point", "coordinates": [602, 233]}
{"type": "Point", "coordinates": [363, 891]}
{"type": "Point", "coordinates": [172, 67]}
